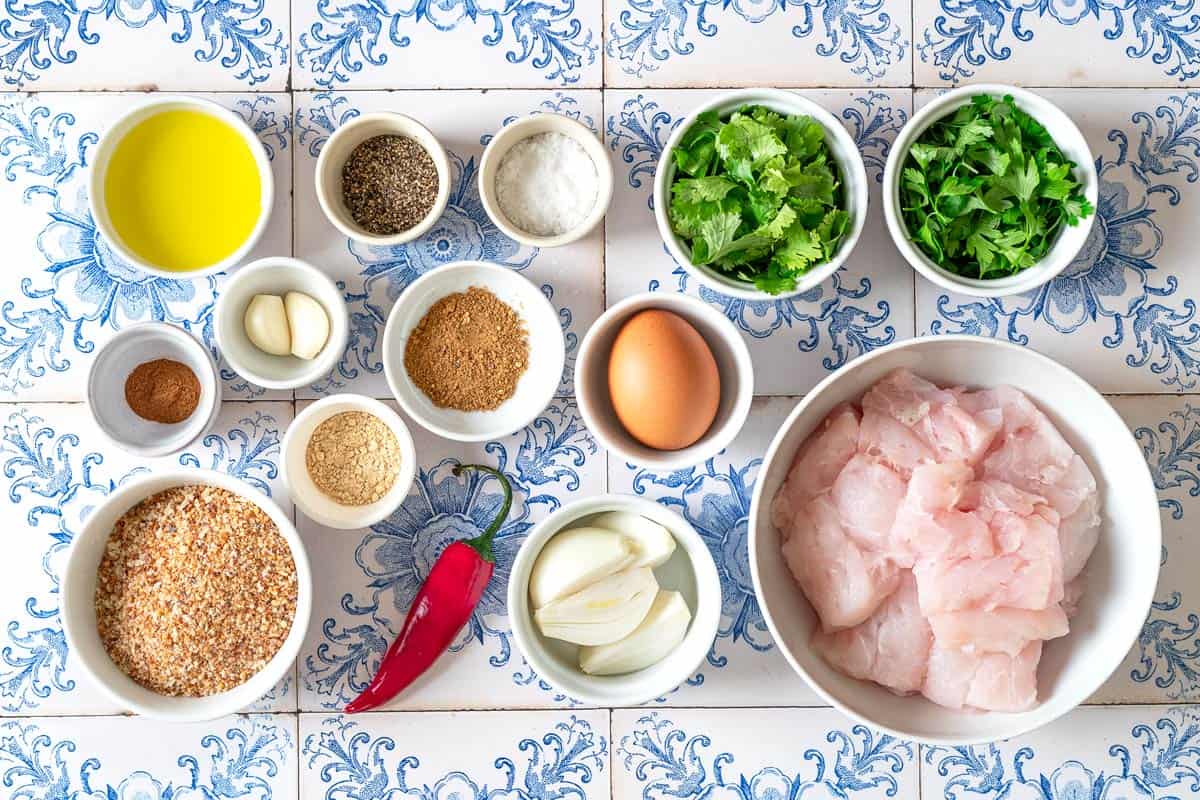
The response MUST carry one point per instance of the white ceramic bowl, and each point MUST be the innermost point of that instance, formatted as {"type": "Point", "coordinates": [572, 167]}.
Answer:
{"type": "Point", "coordinates": [523, 128]}
{"type": "Point", "coordinates": [1070, 239]}
{"type": "Point", "coordinates": [314, 503]}
{"type": "Point", "coordinates": [1120, 575]}
{"type": "Point", "coordinates": [690, 571]}
{"type": "Point", "coordinates": [337, 150]}
{"type": "Point", "coordinates": [117, 130]}
{"type": "Point", "coordinates": [278, 275]}
{"type": "Point", "coordinates": [845, 153]}
{"type": "Point", "coordinates": [79, 609]}
{"type": "Point", "coordinates": [535, 389]}
{"type": "Point", "coordinates": [733, 365]}
{"type": "Point", "coordinates": [147, 341]}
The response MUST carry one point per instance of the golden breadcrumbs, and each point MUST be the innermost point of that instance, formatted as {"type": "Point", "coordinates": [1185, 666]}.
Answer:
{"type": "Point", "coordinates": [196, 591]}
{"type": "Point", "coordinates": [353, 457]}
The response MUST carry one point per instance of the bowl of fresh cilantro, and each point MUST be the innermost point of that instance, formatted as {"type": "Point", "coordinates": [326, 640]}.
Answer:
{"type": "Point", "coordinates": [760, 194]}
{"type": "Point", "coordinates": [990, 190]}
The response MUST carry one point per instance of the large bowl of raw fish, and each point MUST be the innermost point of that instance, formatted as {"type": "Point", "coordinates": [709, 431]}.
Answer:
{"type": "Point", "coordinates": [954, 539]}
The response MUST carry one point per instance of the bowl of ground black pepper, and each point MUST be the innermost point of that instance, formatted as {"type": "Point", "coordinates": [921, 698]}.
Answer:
{"type": "Point", "coordinates": [153, 389]}
{"type": "Point", "coordinates": [383, 179]}
{"type": "Point", "coordinates": [473, 351]}
{"type": "Point", "coordinates": [348, 461]}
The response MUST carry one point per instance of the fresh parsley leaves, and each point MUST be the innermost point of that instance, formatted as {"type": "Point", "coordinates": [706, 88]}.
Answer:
{"type": "Point", "coordinates": [985, 191]}
{"type": "Point", "coordinates": [757, 196]}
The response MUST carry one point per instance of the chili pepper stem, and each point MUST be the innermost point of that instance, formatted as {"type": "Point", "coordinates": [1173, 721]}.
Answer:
{"type": "Point", "coordinates": [483, 542]}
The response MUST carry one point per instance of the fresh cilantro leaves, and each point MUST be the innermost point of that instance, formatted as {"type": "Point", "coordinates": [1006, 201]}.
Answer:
{"type": "Point", "coordinates": [757, 197]}
{"type": "Point", "coordinates": [985, 191]}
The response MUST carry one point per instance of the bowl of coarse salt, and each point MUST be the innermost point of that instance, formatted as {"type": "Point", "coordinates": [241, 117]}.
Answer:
{"type": "Point", "coordinates": [545, 180]}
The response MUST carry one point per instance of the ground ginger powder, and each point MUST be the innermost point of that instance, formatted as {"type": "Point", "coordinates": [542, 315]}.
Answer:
{"type": "Point", "coordinates": [468, 352]}
{"type": "Point", "coordinates": [353, 457]}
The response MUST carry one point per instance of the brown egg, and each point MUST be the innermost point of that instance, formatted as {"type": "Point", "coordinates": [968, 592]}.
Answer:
{"type": "Point", "coordinates": [663, 380]}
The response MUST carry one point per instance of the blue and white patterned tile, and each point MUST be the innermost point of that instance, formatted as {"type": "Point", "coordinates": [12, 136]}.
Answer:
{"type": "Point", "coordinates": [1163, 666]}
{"type": "Point", "coordinates": [1056, 42]}
{"type": "Point", "coordinates": [131, 758]}
{"type": "Point", "coordinates": [416, 44]}
{"type": "Point", "coordinates": [365, 580]}
{"type": "Point", "coordinates": [757, 43]}
{"type": "Point", "coordinates": [138, 45]}
{"type": "Point", "coordinates": [794, 343]}
{"type": "Point", "coordinates": [1123, 313]}
{"type": "Point", "coordinates": [507, 756]}
{"type": "Point", "coordinates": [571, 276]}
{"type": "Point", "coordinates": [1131, 753]}
{"type": "Point", "coordinates": [744, 666]}
{"type": "Point", "coordinates": [65, 293]}
{"type": "Point", "coordinates": [757, 754]}
{"type": "Point", "coordinates": [56, 468]}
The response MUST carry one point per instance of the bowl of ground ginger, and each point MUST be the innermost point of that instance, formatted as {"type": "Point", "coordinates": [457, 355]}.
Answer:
{"type": "Point", "coordinates": [186, 595]}
{"type": "Point", "coordinates": [473, 351]}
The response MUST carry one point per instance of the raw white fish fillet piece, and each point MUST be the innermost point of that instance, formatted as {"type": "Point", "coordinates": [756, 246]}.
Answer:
{"type": "Point", "coordinates": [905, 397]}
{"type": "Point", "coordinates": [890, 648]}
{"type": "Point", "coordinates": [1072, 594]}
{"type": "Point", "coordinates": [817, 464]}
{"type": "Point", "coordinates": [866, 495]}
{"type": "Point", "coordinates": [939, 487]}
{"type": "Point", "coordinates": [892, 443]}
{"type": "Point", "coordinates": [934, 415]}
{"type": "Point", "coordinates": [1001, 630]}
{"type": "Point", "coordinates": [929, 525]}
{"type": "Point", "coordinates": [844, 582]}
{"type": "Point", "coordinates": [986, 681]}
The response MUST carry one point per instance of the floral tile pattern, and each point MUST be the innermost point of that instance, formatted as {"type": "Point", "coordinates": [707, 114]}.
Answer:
{"type": "Point", "coordinates": [372, 277]}
{"type": "Point", "coordinates": [794, 342]}
{"type": "Point", "coordinates": [482, 725]}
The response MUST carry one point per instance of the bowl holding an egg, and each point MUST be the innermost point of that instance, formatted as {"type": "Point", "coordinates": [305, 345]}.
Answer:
{"type": "Point", "coordinates": [473, 351]}
{"type": "Point", "coordinates": [545, 180]}
{"type": "Point", "coordinates": [663, 380]}
{"type": "Point", "coordinates": [383, 179]}
{"type": "Point", "coordinates": [180, 187]}
{"type": "Point", "coordinates": [760, 194]}
{"type": "Point", "coordinates": [186, 595]}
{"type": "Point", "coordinates": [615, 600]}
{"type": "Point", "coordinates": [281, 323]}
{"type": "Point", "coordinates": [954, 539]}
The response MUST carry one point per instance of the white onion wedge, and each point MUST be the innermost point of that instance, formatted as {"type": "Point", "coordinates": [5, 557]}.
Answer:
{"type": "Point", "coordinates": [605, 612]}
{"type": "Point", "coordinates": [575, 558]}
{"type": "Point", "coordinates": [660, 632]}
{"type": "Point", "coordinates": [653, 543]}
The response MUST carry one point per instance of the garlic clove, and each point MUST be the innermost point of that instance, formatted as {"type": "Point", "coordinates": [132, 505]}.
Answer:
{"type": "Point", "coordinates": [604, 612]}
{"type": "Point", "coordinates": [661, 631]}
{"type": "Point", "coordinates": [574, 558]}
{"type": "Point", "coordinates": [653, 543]}
{"type": "Point", "coordinates": [308, 324]}
{"type": "Point", "coordinates": [266, 325]}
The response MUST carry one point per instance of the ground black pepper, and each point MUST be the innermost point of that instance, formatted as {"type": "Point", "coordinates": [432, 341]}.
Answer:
{"type": "Point", "coordinates": [389, 183]}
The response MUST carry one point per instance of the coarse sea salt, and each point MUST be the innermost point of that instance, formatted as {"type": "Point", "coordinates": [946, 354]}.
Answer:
{"type": "Point", "coordinates": [547, 184]}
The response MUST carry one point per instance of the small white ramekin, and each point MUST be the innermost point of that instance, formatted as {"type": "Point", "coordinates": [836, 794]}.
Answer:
{"type": "Point", "coordinates": [79, 604]}
{"type": "Point", "coordinates": [314, 503]}
{"type": "Point", "coordinates": [733, 366]}
{"type": "Point", "coordinates": [521, 129]}
{"type": "Point", "coordinates": [126, 122]}
{"type": "Point", "coordinates": [535, 388]}
{"type": "Point", "coordinates": [841, 146]}
{"type": "Point", "coordinates": [278, 275]}
{"type": "Point", "coordinates": [147, 341]}
{"type": "Point", "coordinates": [1070, 240]}
{"type": "Point", "coordinates": [337, 150]}
{"type": "Point", "coordinates": [690, 571]}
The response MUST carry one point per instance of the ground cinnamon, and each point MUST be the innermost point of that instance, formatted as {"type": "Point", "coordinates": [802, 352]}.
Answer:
{"type": "Point", "coordinates": [468, 352]}
{"type": "Point", "coordinates": [162, 390]}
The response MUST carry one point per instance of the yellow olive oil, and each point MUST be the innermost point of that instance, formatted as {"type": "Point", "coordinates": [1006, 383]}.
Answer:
{"type": "Point", "coordinates": [182, 190]}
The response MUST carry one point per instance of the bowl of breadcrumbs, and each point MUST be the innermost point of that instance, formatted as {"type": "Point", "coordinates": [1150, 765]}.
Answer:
{"type": "Point", "coordinates": [186, 595]}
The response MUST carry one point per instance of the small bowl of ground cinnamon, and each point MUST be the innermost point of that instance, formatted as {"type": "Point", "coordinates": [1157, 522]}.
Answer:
{"type": "Point", "coordinates": [348, 461]}
{"type": "Point", "coordinates": [473, 351]}
{"type": "Point", "coordinates": [153, 389]}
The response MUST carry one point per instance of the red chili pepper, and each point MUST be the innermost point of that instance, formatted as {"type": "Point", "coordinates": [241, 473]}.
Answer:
{"type": "Point", "coordinates": [442, 606]}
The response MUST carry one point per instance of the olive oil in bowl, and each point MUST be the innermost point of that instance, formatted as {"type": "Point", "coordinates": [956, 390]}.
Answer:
{"type": "Point", "coordinates": [182, 190]}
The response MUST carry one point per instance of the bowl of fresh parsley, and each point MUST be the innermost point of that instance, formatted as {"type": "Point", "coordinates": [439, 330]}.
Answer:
{"type": "Point", "coordinates": [990, 191]}
{"type": "Point", "coordinates": [760, 194]}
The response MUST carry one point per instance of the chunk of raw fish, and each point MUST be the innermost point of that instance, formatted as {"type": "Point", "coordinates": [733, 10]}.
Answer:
{"type": "Point", "coordinates": [866, 495]}
{"type": "Point", "coordinates": [986, 681]}
{"type": "Point", "coordinates": [817, 464]}
{"type": "Point", "coordinates": [1001, 630]}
